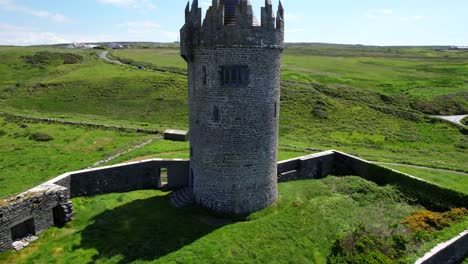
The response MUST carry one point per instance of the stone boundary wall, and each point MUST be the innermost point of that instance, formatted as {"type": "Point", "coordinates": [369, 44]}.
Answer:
{"type": "Point", "coordinates": [430, 195]}
{"type": "Point", "coordinates": [48, 204]}
{"type": "Point", "coordinates": [314, 166]}
{"type": "Point", "coordinates": [124, 177]}
{"type": "Point", "coordinates": [450, 252]}
{"type": "Point", "coordinates": [86, 124]}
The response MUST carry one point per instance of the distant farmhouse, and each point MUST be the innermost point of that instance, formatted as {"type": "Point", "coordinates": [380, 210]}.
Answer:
{"type": "Point", "coordinates": [83, 46]}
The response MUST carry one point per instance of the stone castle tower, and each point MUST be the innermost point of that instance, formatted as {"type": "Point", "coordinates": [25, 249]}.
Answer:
{"type": "Point", "coordinates": [234, 94]}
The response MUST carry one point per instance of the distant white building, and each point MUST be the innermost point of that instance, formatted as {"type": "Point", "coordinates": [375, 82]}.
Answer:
{"type": "Point", "coordinates": [84, 46]}
{"type": "Point", "coordinates": [115, 46]}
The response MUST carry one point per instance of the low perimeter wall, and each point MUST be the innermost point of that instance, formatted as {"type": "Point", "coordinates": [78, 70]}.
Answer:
{"type": "Point", "coordinates": [452, 251]}
{"type": "Point", "coordinates": [49, 204]}
{"type": "Point", "coordinates": [124, 177]}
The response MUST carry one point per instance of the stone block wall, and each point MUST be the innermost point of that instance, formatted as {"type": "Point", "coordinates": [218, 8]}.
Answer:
{"type": "Point", "coordinates": [451, 252]}
{"type": "Point", "coordinates": [35, 207]}
{"type": "Point", "coordinates": [313, 166]}
{"type": "Point", "coordinates": [124, 177]}
{"type": "Point", "coordinates": [49, 204]}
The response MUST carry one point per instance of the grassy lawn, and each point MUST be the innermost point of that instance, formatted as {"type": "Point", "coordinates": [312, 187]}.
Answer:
{"type": "Point", "coordinates": [450, 180]}
{"type": "Point", "coordinates": [25, 163]}
{"type": "Point", "coordinates": [143, 227]}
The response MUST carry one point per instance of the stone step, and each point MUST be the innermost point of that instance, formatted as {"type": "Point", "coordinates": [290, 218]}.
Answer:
{"type": "Point", "coordinates": [182, 198]}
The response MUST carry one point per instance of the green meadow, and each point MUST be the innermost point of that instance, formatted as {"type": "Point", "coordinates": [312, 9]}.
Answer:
{"type": "Point", "coordinates": [300, 228]}
{"type": "Point", "coordinates": [315, 113]}
{"type": "Point", "coordinates": [371, 102]}
{"type": "Point", "coordinates": [26, 161]}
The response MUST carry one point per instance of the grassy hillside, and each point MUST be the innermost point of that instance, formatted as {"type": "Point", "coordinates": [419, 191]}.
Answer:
{"type": "Point", "coordinates": [450, 180]}
{"type": "Point", "coordinates": [430, 80]}
{"type": "Point", "coordinates": [302, 227]}
{"type": "Point", "coordinates": [364, 121]}
{"type": "Point", "coordinates": [28, 157]}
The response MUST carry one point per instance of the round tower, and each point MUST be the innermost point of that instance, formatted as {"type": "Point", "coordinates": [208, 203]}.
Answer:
{"type": "Point", "coordinates": [234, 94]}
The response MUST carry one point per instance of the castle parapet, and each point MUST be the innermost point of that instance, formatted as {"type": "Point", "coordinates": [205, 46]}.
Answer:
{"type": "Point", "coordinates": [231, 23]}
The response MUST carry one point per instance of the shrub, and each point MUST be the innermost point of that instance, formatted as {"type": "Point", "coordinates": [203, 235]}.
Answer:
{"type": "Point", "coordinates": [45, 57]}
{"type": "Point", "coordinates": [465, 121]}
{"type": "Point", "coordinates": [2, 133]}
{"type": "Point", "coordinates": [320, 112]}
{"type": "Point", "coordinates": [429, 221]}
{"type": "Point", "coordinates": [69, 58]}
{"type": "Point", "coordinates": [364, 191]}
{"type": "Point", "coordinates": [368, 246]}
{"type": "Point", "coordinates": [41, 137]}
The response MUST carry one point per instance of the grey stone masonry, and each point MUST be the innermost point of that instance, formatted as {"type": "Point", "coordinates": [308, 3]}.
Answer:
{"type": "Point", "coordinates": [33, 212]}
{"type": "Point", "coordinates": [234, 95]}
{"type": "Point", "coordinates": [49, 204]}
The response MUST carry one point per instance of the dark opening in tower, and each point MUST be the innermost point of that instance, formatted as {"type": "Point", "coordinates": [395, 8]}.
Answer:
{"type": "Point", "coordinates": [230, 11]}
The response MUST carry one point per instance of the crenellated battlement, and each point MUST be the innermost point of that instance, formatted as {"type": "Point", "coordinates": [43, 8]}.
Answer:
{"type": "Point", "coordinates": [231, 23]}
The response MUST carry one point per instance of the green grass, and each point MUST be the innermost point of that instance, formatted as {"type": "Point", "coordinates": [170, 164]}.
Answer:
{"type": "Point", "coordinates": [169, 57]}
{"type": "Point", "coordinates": [143, 227]}
{"type": "Point", "coordinates": [465, 121]}
{"type": "Point", "coordinates": [25, 163]}
{"type": "Point", "coordinates": [450, 180]}
{"type": "Point", "coordinates": [428, 79]}
{"type": "Point", "coordinates": [331, 116]}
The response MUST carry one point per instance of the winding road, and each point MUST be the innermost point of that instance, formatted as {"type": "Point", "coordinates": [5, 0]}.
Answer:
{"type": "Point", "coordinates": [454, 119]}
{"type": "Point", "coordinates": [103, 55]}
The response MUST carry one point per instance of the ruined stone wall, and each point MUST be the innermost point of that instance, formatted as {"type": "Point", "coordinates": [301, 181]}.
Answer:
{"type": "Point", "coordinates": [234, 155]}
{"type": "Point", "coordinates": [36, 204]}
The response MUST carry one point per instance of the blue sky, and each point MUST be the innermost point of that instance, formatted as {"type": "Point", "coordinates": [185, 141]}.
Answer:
{"type": "Point", "coordinates": [372, 22]}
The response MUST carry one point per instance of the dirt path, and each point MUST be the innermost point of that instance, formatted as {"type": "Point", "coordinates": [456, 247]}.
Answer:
{"type": "Point", "coordinates": [113, 157]}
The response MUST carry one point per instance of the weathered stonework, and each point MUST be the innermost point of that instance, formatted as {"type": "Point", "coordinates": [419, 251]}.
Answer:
{"type": "Point", "coordinates": [233, 127]}
{"type": "Point", "coordinates": [49, 204]}
{"type": "Point", "coordinates": [33, 212]}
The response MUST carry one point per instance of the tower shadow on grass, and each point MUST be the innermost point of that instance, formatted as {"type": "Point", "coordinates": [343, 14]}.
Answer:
{"type": "Point", "coordinates": [146, 230]}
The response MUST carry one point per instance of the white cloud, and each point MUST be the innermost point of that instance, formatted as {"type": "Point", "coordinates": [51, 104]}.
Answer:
{"type": "Point", "coordinates": [373, 14]}
{"type": "Point", "coordinates": [205, 4]}
{"type": "Point", "coordinates": [143, 30]}
{"type": "Point", "coordinates": [412, 18]}
{"type": "Point", "coordinates": [132, 31]}
{"type": "Point", "coordinates": [25, 36]}
{"type": "Point", "coordinates": [8, 5]}
{"type": "Point", "coordinates": [295, 30]}
{"type": "Point", "coordinates": [141, 4]}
